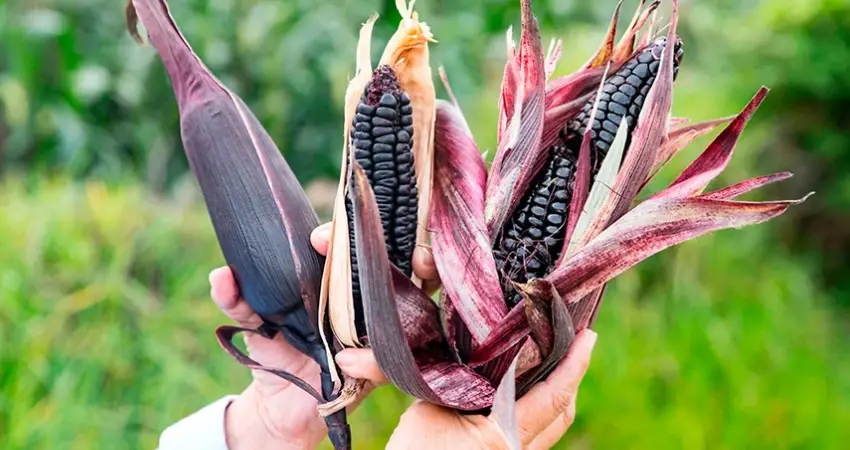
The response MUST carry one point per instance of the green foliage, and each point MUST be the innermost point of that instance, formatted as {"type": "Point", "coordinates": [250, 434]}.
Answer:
{"type": "Point", "coordinates": [107, 336]}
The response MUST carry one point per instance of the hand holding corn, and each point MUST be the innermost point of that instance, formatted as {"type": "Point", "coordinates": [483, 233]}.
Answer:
{"type": "Point", "coordinates": [544, 414]}
{"type": "Point", "coordinates": [271, 412]}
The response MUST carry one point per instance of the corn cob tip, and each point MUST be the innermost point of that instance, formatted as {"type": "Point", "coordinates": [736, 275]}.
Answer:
{"type": "Point", "coordinates": [383, 82]}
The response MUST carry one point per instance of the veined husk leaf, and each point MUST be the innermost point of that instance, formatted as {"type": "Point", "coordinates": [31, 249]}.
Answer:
{"type": "Point", "coordinates": [457, 224]}
{"type": "Point", "coordinates": [336, 299]}
{"type": "Point", "coordinates": [402, 322]}
{"type": "Point", "coordinates": [738, 189]}
{"type": "Point", "coordinates": [606, 50]}
{"type": "Point", "coordinates": [714, 159]}
{"type": "Point", "coordinates": [517, 158]}
{"type": "Point", "coordinates": [650, 227]}
{"type": "Point", "coordinates": [408, 55]}
{"type": "Point", "coordinates": [678, 130]}
{"type": "Point", "coordinates": [261, 215]}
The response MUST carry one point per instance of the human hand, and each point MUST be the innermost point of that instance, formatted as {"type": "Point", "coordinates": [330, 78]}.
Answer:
{"type": "Point", "coordinates": [271, 412]}
{"type": "Point", "coordinates": [544, 414]}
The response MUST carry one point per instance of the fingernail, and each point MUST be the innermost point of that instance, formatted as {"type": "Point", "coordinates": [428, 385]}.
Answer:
{"type": "Point", "coordinates": [346, 359]}
{"type": "Point", "coordinates": [215, 273]}
{"type": "Point", "coordinates": [591, 338]}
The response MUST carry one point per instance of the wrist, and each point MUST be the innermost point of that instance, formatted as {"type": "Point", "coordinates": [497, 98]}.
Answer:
{"type": "Point", "coordinates": [247, 426]}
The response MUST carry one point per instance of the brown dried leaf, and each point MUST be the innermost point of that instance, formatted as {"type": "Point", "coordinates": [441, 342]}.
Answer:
{"type": "Point", "coordinates": [541, 291]}
{"type": "Point", "coordinates": [408, 54]}
{"type": "Point", "coordinates": [603, 55]}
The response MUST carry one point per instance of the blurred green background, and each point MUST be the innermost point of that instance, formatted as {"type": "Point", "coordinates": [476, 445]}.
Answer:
{"type": "Point", "coordinates": [735, 340]}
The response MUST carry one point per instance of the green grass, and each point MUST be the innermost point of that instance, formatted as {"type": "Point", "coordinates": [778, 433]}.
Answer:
{"type": "Point", "coordinates": [107, 335]}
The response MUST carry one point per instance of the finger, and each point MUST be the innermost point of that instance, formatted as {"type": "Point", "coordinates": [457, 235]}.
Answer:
{"type": "Point", "coordinates": [360, 363]}
{"type": "Point", "coordinates": [556, 430]}
{"type": "Point", "coordinates": [225, 294]}
{"type": "Point", "coordinates": [423, 263]}
{"type": "Point", "coordinates": [553, 396]}
{"type": "Point", "coordinates": [321, 237]}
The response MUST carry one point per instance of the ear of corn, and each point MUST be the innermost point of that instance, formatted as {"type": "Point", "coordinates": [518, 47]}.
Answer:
{"type": "Point", "coordinates": [533, 239]}
{"type": "Point", "coordinates": [381, 140]}
{"type": "Point", "coordinates": [389, 133]}
{"type": "Point", "coordinates": [260, 213]}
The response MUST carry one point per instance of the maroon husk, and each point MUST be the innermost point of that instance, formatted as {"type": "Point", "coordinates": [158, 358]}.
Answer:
{"type": "Point", "coordinates": [563, 332]}
{"type": "Point", "coordinates": [716, 157]}
{"type": "Point", "coordinates": [738, 189]}
{"type": "Point", "coordinates": [519, 158]}
{"type": "Point", "coordinates": [429, 373]}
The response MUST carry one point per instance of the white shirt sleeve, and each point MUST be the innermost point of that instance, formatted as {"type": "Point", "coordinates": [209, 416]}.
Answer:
{"type": "Point", "coordinates": [203, 430]}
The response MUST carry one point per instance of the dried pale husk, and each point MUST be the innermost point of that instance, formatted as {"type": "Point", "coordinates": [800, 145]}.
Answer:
{"type": "Point", "coordinates": [408, 55]}
{"type": "Point", "coordinates": [335, 298]}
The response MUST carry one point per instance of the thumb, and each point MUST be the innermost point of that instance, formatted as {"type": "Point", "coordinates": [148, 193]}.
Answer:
{"type": "Point", "coordinates": [360, 363]}
{"type": "Point", "coordinates": [553, 396]}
